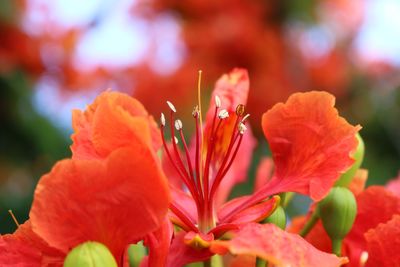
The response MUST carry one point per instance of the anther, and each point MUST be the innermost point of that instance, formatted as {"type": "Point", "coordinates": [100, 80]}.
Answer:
{"type": "Point", "coordinates": [162, 119]}
{"type": "Point", "coordinates": [240, 110]}
{"type": "Point", "coordinates": [223, 114]}
{"type": "Point", "coordinates": [195, 112]}
{"type": "Point", "coordinates": [242, 128]}
{"type": "Point", "coordinates": [217, 101]}
{"type": "Point", "coordinates": [171, 106]}
{"type": "Point", "coordinates": [176, 140]}
{"type": "Point", "coordinates": [245, 117]}
{"type": "Point", "coordinates": [363, 258]}
{"type": "Point", "coordinates": [178, 125]}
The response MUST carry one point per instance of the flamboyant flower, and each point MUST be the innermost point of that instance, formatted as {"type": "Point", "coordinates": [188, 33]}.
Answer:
{"type": "Point", "coordinates": [310, 143]}
{"type": "Point", "coordinates": [104, 195]}
{"type": "Point", "coordinates": [376, 206]}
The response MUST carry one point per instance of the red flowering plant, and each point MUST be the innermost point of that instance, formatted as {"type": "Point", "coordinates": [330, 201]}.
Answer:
{"type": "Point", "coordinates": [116, 191]}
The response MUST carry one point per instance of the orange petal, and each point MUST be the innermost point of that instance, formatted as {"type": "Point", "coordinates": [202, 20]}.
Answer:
{"type": "Point", "coordinates": [113, 120]}
{"type": "Point", "coordinates": [383, 244]}
{"type": "Point", "coordinates": [25, 248]}
{"type": "Point", "coordinates": [357, 184]}
{"type": "Point", "coordinates": [311, 144]}
{"type": "Point", "coordinates": [374, 206]}
{"type": "Point", "coordinates": [114, 202]}
{"type": "Point", "coordinates": [276, 246]}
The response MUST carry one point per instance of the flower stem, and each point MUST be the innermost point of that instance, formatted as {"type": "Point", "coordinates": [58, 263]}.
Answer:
{"type": "Point", "coordinates": [310, 223]}
{"type": "Point", "coordinates": [337, 247]}
{"type": "Point", "coordinates": [207, 263]}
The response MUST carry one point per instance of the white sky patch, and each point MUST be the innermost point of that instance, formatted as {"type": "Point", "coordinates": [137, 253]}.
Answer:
{"type": "Point", "coordinates": [57, 105]}
{"type": "Point", "coordinates": [379, 37]}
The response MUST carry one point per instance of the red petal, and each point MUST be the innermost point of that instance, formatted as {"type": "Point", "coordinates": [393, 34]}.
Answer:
{"type": "Point", "coordinates": [112, 121]}
{"type": "Point", "coordinates": [264, 172]}
{"type": "Point", "coordinates": [384, 244]}
{"type": "Point", "coordinates": [159, 242]}
{"type": "Point", "coordinates": [316, 237]}
{"type": "Point", "coordinates": [113, 202]}
{"type": "Point", "coordinates": [25, 249]}
{"type": "Point", "coordinates": [311, 144]}
{"type": "Point", "coordinates": [375, 205]}
{"type": "Point", "coordinates": [276, 246]}
{"type": "Point", "coordinates": [232, 89]}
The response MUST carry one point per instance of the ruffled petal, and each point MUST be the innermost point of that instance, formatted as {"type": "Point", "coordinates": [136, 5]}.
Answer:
{"type": "Point", "coordinates": [383, 244]}
{"type": "Point", "coordinates": [374, 206]}
{"type": "Point", "coordinates": [276, 246]}
{"type": "Point", "coordinates": [26, 249]}
{"type": "Point", "coordinates": [114, 202]}
{"type": "Point", "coordinates": [113, 120]}
{"type": "Point", "coordinates": [310, 143]}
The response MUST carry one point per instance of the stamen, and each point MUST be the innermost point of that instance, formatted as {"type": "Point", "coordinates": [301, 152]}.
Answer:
{"type": "Point", "coordinates": [223, 114]}
{"type": "Point", "coordinates": [176, 140]}
{"type": "Point", "coordinates": [183, 217]}
{"type": "Point", "coordinates": [240, 109]}
{"type": "Point", "coordinates": [242, 128]}
{"type": "Point", "coordinates": [245, 117]}
{"type": "Point", "coordinates": [217, 101]}
{"type": "Point", "coordinates": [178, 125]}
{"type": "Point", "coordinates": [162, 119]}
{"type": "Point", "coordinates": [13, 217]}
{"type": "Point", "coordinates": [195, 112]}
{"type": "Point", "coordinates": [171, 106]}
{"type": "Point", "coordinates": [363, 258]}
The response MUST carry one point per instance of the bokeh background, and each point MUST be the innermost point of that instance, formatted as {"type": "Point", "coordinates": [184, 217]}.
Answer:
{"type": "Point", "coordinates": [56, 55]}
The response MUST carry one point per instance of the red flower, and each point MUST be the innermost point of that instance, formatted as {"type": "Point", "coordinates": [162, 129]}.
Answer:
{"type": "Point", "coordinates": [113, 190]}
{"type": "Point", "coordinates": [376, 206]}
{"type": "Point", "coordinates": [311, 147]}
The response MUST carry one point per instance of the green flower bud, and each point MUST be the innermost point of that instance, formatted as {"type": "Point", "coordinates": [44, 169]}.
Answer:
{"type": "Point", "coordinates": [346, 177]}
{"type": "Point", "coordinates": [90, 254]}
{"type": "Point", "coordinates": [136, 254]}
{"type": "Point", "coordinates": [278, 217]}
{"type": "Point", "coordinates": [338, 212]}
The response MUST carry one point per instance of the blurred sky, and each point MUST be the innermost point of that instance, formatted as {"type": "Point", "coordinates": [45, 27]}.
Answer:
{"type": "Point", "coordinates": [119, 40]}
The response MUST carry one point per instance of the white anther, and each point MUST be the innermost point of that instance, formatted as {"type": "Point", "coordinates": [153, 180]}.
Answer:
{"type": "Point", "coordinates": [162, 119]}
{"type": "Point", "coordinates": [363, 258]}
{"type": "Point", "coordinates": [223, 114]}
{"type": "Point", "coordinates": [245, 117]}
{"type": "Point", "coordinates": [171, 106]}
{"type": "Point", "coordinates": [178, 124]}
{"type": "Point", "coordinates": [217, 101]}
{"type": "Point", "coordinates": [242, 128]}
{"type": "Point", "coordinates": [176, 140]}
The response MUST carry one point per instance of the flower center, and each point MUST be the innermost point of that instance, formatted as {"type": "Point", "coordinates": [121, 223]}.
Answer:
{"type": "Point", "coordinates": [203, 176]}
